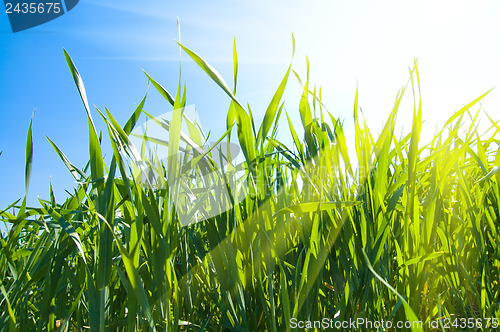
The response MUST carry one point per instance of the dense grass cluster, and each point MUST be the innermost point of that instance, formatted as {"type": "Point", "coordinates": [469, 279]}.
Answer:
{"type": "Point", "coordinates": [399, 231]}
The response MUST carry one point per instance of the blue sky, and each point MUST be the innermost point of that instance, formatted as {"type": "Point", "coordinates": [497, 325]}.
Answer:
{"type": "Point", "coordinates": [364, 43]}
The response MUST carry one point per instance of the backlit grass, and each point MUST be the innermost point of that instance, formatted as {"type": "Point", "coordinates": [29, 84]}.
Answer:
{"type": "Point", "coordinates": [393, 230]}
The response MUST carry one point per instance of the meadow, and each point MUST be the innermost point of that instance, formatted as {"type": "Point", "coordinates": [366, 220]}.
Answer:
{"type": "Point", "coordinates": [393, 229]}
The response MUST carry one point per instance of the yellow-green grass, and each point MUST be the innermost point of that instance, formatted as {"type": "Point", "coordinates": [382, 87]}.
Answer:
{"type": "Point", "coordinates": [395, 230]}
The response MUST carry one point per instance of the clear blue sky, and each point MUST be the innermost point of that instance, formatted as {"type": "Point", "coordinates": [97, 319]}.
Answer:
{"type": "Point", "coordinates": [367, 43]}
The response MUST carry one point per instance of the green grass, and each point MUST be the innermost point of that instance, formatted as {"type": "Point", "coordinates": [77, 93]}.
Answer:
{"type": "Point", "coordinates": [393, 230]}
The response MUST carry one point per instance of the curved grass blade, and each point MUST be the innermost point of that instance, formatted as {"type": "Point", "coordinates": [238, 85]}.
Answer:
{"type": "Point", "coordinates": [270, 114]}
{"type": "Point", "coordinates": [410, 314]}
{"type": "Point", "coordinates": [161, 90]}
{"type": "Point", "coordinates": [79, 83]}
{"type": "Point", "coordinates": [29, 155]}
{"type": "Point", "coordinates": [129, 126]}
{"type": "Point", "coordinates": [214, 75]}
{"type": "Point", "coordinates": [73, 170]}
{"type": "Point", "coordinates": [235, 65]}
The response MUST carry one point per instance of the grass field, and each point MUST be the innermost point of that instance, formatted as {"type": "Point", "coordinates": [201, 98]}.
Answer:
{"type": "Point", "coordinates": [393, 229]}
